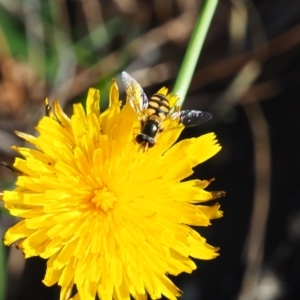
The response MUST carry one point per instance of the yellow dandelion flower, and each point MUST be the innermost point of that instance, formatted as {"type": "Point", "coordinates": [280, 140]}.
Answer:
{"type": "Point", "coordinates": [110, 219]}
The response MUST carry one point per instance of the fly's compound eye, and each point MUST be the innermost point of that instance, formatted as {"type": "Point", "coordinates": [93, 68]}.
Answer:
{"type": "Point", "coordinates": [143, 139]}
{"type": "Point", "coordinates": [140, 138]}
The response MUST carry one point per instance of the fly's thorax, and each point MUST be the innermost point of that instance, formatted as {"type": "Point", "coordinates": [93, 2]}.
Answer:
{"type": "Point", "coordinates": [150, 129]}
{"type": "Point", "coordinates": [151, 126]}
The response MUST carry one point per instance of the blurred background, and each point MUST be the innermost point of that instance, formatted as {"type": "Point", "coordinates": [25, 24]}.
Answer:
{"type": "Point", "coordinates": [247, 77]}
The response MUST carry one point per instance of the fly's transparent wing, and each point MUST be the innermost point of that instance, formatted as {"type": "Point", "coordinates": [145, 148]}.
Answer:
{"type": "Point", "coordinates": [135, 94]}
{"type": "Point", "coordinates": [187, 118]}
{"type": "Point", "coordinates": [191, 118]}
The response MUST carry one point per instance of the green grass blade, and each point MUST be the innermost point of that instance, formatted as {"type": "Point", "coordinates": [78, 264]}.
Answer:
{"type": "Point", "coordinates": [194, 49]}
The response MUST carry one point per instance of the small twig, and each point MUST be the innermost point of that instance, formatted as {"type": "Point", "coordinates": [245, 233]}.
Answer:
{"type": "Point", "coordinates": [237, 88]}
{"type": "Point", "coordinates": [229, 66]}
{"type": "Point", "coordinates": [6, 141]}
{"type": "Point", "coordinates": [12, 168]}
{"type": "Point", "coordinates": [257, 232]}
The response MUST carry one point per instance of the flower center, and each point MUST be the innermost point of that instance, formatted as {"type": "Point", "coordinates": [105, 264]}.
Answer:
{"type": "Point", "coordinates": [104, 199]}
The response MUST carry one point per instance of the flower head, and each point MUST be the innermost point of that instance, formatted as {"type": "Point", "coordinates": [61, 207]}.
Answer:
{"type": "Point", "coordinates": [110, 219]}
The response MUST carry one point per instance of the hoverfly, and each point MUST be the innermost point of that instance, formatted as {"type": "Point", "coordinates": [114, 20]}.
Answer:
{"type": "Point", "coordinates": [153, 113]}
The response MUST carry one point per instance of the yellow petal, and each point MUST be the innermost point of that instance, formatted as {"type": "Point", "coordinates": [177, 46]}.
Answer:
{"type": "Point", "coordinates": [93, 102]}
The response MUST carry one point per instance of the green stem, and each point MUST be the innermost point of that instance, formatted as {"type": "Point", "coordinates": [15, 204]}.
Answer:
{"type": "Point", "coordinates": [193, 51]}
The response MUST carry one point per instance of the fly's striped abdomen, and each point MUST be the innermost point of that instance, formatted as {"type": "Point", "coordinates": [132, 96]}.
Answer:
{"type": "Point", "coordinates": [159, 106]}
